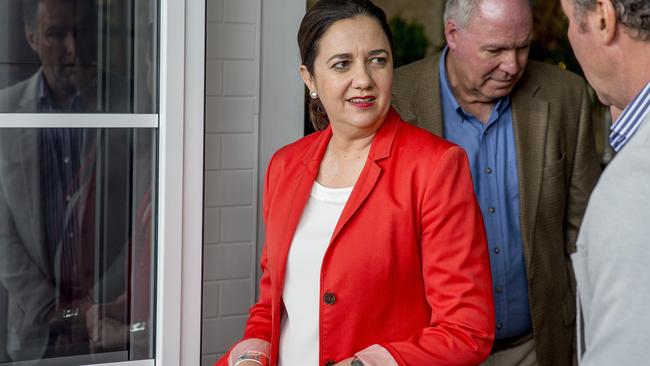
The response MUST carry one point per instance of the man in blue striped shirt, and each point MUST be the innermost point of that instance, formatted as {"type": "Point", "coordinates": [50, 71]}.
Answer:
{"type": "Point", "coordinates": [611, 40]}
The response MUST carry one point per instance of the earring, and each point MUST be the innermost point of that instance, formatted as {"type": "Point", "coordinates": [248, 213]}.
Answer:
{"type": "Point", "coordinates": [313, 95]}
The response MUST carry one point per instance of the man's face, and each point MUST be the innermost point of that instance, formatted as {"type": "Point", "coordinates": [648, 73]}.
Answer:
{"type": "Point", "coordinates": [488, 55]}
{"type": "Point", "coordinates": [52, 37]}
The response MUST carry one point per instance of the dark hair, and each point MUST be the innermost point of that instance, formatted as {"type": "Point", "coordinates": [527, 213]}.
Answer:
{"type": "Point", "coordinates": [30, 9]}
{"type": "Point", "coordinates": [316, 22]}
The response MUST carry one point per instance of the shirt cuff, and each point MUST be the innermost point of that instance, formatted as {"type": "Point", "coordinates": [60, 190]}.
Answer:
{"type": "Point", "coordinates": [376, 355]}
{"type": "Point", "coordinates": [251, 344]}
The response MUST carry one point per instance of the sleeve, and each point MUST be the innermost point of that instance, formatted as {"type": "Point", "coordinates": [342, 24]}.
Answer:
{"type": "Point", "coordinates": [456, 268]}
{"type": "Point", "coordinates": [584, 174]}
{"type": "Point", "coordinates": [614, 293]}
{"type": "Point", "coordinates": [259, 325]}
{"type": "Point", "coordinates": [402, 95]}
{"type": "Point", "coordinates": [20, 275]}
{"type": "Point", "coordinates": [376, 355]}
{"type": "Point", "coordinates": [27, 285]}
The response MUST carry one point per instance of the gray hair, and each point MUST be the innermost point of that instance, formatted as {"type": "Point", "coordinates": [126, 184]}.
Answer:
{"type": "Point", "coordinates": [462, 11]}
{"type": "Point", "coordinates": [633, 14]}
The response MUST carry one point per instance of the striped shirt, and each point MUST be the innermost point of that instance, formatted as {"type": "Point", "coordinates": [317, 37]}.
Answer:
{"type": "Point", "coordinates": [630, 120]}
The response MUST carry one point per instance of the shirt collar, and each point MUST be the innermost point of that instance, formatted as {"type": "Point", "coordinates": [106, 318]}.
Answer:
{"type": "Point", "coordinates": [630, 119]}
{"type": "Point", "coordinates": [445, 88]}
{"type": "Point", "coordinates": [46, 104]}
{"type": "Point", "coordinates": [43, 90]}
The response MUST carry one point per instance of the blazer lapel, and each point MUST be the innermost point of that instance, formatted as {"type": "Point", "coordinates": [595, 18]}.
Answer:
{"type": "Point", "coordinates": [362, 189]}
{"type": "Point", "coordinates": [381, 146]}
{"type": "Point", "coordinates": [304, 181]}
{"type": "Point", "coordinates": [530, 121]}
{"type": "Point", "coordinates": [426, 102]}
{"type": "Point", "coordinates": [29, 101]}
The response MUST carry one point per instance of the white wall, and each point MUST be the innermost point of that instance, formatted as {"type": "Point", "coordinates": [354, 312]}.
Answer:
{"type": "Point", "coordinates": [249, 114]}
{"type": "Point", "coordinates": [231, 140]}
{"type": "Point", "coordinates": [282, 100]}
{"type": "Point", "coordinates": [17, 60]}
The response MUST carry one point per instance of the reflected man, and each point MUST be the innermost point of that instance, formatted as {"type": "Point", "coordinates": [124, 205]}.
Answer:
{"type": "Point", "coordinates": [51, 31]}
{"type": "Point", "coordinates": [76, 216]}
{"type": "Point", "coordinates": [67, 244]}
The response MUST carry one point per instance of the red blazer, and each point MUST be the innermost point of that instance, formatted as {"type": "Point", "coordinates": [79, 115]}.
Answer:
{"type": "Point", "coordinates": [407, 264]}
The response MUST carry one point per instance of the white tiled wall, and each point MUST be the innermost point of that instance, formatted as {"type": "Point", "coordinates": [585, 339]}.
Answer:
{"type": "Point", "coordinates": [254, 105]}
{"type": "Point", "coordinates": [231, 163]}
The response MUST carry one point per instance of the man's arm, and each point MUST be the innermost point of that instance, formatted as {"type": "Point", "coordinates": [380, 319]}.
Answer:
{"type": "Point", "coordinates": [21, 276]}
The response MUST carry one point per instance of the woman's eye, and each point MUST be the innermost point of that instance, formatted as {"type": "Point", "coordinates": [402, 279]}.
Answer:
{"type": "Point", "coordinates": [378, 60]}
{"type": "Point", "coordinates": [341, 65]}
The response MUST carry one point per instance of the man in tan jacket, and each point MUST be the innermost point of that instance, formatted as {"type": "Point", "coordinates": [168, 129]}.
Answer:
{"type": "Point", "coordinates": [527, 132]}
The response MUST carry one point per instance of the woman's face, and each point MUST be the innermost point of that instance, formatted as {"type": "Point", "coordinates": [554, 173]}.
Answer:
{"type": "Point", "coordinates": [353, 74]}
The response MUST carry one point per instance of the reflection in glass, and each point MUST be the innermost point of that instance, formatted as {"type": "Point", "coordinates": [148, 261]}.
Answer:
{"type": "Point", "coordinates": [74, 56]}
{"type": "Point", "coordinates": [77, 219]}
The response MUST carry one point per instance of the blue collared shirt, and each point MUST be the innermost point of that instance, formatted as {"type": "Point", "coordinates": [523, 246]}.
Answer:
{"type": "Point", "coordinates": [491, 151]}
{"type": "Point", "coordinates": [630, 119]}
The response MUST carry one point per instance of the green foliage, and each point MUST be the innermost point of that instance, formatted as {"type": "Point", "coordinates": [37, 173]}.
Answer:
{"type": "Point", "coordinates": [409, 39]}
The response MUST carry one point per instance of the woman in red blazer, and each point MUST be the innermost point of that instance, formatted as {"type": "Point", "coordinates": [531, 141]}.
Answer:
{"type": "Point", "coordinates": [404, 276]}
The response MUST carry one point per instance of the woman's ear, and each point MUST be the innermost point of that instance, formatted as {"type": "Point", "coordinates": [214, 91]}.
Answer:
{"type": "Point", "coordinates": [307, 78]}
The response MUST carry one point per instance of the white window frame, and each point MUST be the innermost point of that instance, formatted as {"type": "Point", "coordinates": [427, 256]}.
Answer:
{"type": "Point", "coordinates": [180, 216]}
{"type": "Point", "coordinates": [180, 124]}
{"type": "Point", "coordinates": [78, 120]}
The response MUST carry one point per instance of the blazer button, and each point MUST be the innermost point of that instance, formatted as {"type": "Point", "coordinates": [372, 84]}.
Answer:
{"type": "Point", "coordinates": [329, 298]}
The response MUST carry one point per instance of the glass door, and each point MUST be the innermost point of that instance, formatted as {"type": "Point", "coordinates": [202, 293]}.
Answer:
{"type": "Point", "coordinates": [79, 132]}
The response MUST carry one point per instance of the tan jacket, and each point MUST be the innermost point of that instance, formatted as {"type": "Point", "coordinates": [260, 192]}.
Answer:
{"type": "Point", "coordinates": [558, 168]}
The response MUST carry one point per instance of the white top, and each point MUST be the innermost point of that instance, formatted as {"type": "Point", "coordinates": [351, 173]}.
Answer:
{"type": "Point", "coordinates": [301, 295]}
